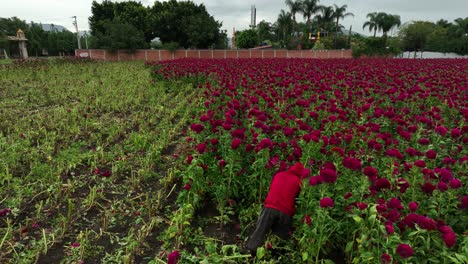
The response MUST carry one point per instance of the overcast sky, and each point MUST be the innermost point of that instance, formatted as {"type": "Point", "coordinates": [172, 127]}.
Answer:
{"type": "Point", "coordinates": [236, 13]}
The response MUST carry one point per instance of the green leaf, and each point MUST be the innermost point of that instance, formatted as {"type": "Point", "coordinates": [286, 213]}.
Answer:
{"type": "Point", "coordinates": [357, 218]}
{"type": "Point", "coordinates": [260, 252]}
{"type": "Point", "coordinates": [349, 246]}
{"type": "Point", "coordinates": [305, 256]}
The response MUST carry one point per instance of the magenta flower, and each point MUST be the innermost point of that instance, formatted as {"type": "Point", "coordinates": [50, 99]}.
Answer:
{"type": "Point", "coordinates": [189, 159]}
{"type": "Point", "coordinates": [431, 154]}
{"type": "Point", "coordinates": [386, 259]}
{"type": "Point", "coordinates": [328, 175]}
{"type": "Point", "coordinates": [352, 163]}
{"type": "Point", "coordinates": [455, 183]}
{"type": "Point", "coordinates": [450, 239]}
{"type": "Point", "coordinates": [326, 202]}
{"type": "Point", "coordinates": [4, 211]}
{"type": "Point", "coordinates": [413, 206]}
{"type": "Point", "coordinates": [442, 186]}
{"type": "Point", "coordinates": [201, 148]}
{"type": "Point", "coordinates": [420, 163]}
{"type": "Point", "coordinates": [404, 250]}
{"type": "Point", "coordinates": [315, 180]}
{"type": "Point", "coordinates": [173, 257]}
{"type": "Point", "coordinates": [198, 128]}
{"type": "Point", "coordinates": [371, 172]}
{"type": "Point", "coordinates": [235, 143]}
{"type": "Point", "coordinates": [423, 141]}
{"type": "Point", "coordinates": [75, 245]}
{"type": "Point", "coordinates": [454, 133]}
{"type": "Point", "coordinates": [390, 230]}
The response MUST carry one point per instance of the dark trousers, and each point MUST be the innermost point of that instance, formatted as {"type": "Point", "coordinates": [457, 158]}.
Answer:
{"type": "Point", "coordinates": [270, 218]}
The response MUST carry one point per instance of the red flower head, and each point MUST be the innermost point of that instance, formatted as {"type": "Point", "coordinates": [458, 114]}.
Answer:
{"type": "Point", "coordinates": [326, 202]}
{"type": "Point", "coordinates": [371, 172]}
{"type": "Point", "coordinates": [441, 130]}
{"type": "Point", "coordinates": [307, 220]}
{"type": "Point", "coordinates": [455, 183]}
{"type": "Point", "coordinates": [394, 203]}
{"type": "Point", "coordinates": [173, 258]}
{"type": "Point", "coordinates": [201, 148]}
{"type": "Point", "coordinates": [404, 250]}
{"type": "Point", "coordinates": [442, 186]}
{"type": "Point", "coordinates": [189, 159]}
{"type": "Point", "coordinates": [464, 202]}
{"type": "Point", "coordinates": [235, 143]}
{"type": "Point", "coordinates": [423, 141]}
{"type": "Point", "coordinates": [390, 230]}
{"type": "Point", "coordinates": [328, 175]}
{"type": "Point", "coordinates": [431, 154]}
{"type": "Point", "coordinates": [428, 188]}
{"type": "Point", "coordinates": [352, 163]}
{"type": "Point", "coordinates": [347, 195]}
{"type": "Point", "coordinates": [386, 259]}
{"type": "Point", "coordinates": [454, 133]}
{"type": "Point", "coordinates": [420, 163]}
{"type": "Point", "coordinates": [197, 128]}
{"type": "Point", "coordinates": [315, 180]}
{"type": "Point", "coordinates": [450, 239]}
{"type": "Point", "coordinates": [413, 206]}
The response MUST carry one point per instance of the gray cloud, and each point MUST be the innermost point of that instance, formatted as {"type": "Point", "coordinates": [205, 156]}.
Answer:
{"type": "Point", "coordinates": [237, 13]}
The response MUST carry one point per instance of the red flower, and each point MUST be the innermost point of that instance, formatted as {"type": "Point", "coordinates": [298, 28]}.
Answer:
{"type": "Point", "coordinates": [424, 141]}
{"type": "Point", "coordinates": [235, 143]}
{"type": "Point", "coordinates": [371, 172]}
{"type": "Point", "coordinates": [404, 250]}
{"type": "Point", "coordinates": [442, 186]}
{"type": "Point", "coordinates": [428, 188]}
{"type": "Point", "coordinates": [307, 220]}
{"type": "Point", "coordinates": [386, 259]}
{"type": "Point", "coordinates": [413, 206]}
{"type": "Point", "coordinates": [187, 186]}
{"type": "Point", "coordinates": [201, 148]}
{"type": "Point", "coordinates": [197, 128]}
{"type": "Point", "coordinates": [328, 175]}
{"type": "Point", "coordinates": [454, 133]}
{"type": "Point", "coordinates": [352, 163]}
{"type": "Point", "coordinates": [346, 196]}
{"type": "Point", "coordinates": [189, 159]}
{"type": "Point", "coordinates": [173, 257]}
{"type": "Point", "coordinates": [326, 202]}
{"type": "Point", "coordinates": [75, 245]}
{"type": "Point", "coordinates": [455, 183]}
{"type": "Point", "coordinates": [4, 211]}
{"type": "Point", "coordinates": [441, 130]}
{"type": "Point", "coordinates": [390, 230]}
{"type": "Point", "coordinates": [214, 141]}
{"type": "Point", "coordinates": [464, 202]}
{"type": "Point", "coordinates": [420, 163]}
{"type": "Point", "coordinates": [222, 163]}
{"type": "Point", "coordinates": [431, 154]}
{"type": "Point", "coordinates": [315, 180]}
{"type": "Point", "coordinates": [394, 203]}
{"type": "Point", "coordinates": [450, 239]}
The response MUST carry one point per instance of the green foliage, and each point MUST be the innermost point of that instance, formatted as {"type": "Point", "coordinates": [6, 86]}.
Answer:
{"type": "Point", "coordinates": [416, 34]}
{"type": "Point", "coordinates": [374, 46]}
{"type": "Point", "coordinates": [186, 23]}
{"type": "Point", "coordinates": [119, 35]}
{"type": "Point", "coordinates": [265, 31]}
{"type": "Point", "coordinates": [247, 39]}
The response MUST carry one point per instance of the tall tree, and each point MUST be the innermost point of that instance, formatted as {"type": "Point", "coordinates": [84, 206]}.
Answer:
{"type": "Point", "coordinates": [186, 23]}
{"type": "Point", "coordinates": [415, 35]}
{"type": "Point", "coordinates": [340, 13]}
{"type": "Point", "coordinates": [372, 23]}
{"type": "Point", "coordinates": [310, 8]}
{"type": "Point", "coordinates": [387, 22]}
{"type": "Point", "coordinates": [325, 18]}
{"type": "Point", "coordinates": [264, 30]}
{"type": "Point", "coordinates": [294, 7]}
{"type": "Point", "coordinates": [247, 39]}
{"type": "Point", "coordinates": [284, 25]}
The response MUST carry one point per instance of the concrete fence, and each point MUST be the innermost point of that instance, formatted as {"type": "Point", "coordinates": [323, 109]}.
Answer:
{"type": "Point", "coordinates": [160, 55]}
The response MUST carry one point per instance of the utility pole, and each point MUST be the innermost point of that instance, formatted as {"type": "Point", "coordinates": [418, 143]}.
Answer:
{"type": "Point", "coordinates": [77, 33]}
{"type": "Point", "coordinates": [86, 39]}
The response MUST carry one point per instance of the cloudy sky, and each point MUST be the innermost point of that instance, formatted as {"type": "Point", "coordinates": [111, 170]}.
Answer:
{"type": "Point", "coordinates": [236, 13]}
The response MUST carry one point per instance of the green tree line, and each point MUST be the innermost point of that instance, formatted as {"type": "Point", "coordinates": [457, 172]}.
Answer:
{"type": "Point", "coordinates": [52, 42]}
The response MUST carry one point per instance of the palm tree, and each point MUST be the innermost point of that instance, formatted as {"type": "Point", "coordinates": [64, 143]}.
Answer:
{"type": "Point", "coordinates": [372, 23]}
{"type": "Point", "coordinates": [284, 25]}
{"type": "Point", "coordinates": [309, 8]}
{"type": "Point", "coordinates": [462, 25]}
{"type": "Point", "coordinates": [325, 19]}
{"type": "Point", "coordinates": [386, 22]}
{"type": "Point", "coordinates": [294, 7]}
{"type": "Point", "coordinates": [340, 13]}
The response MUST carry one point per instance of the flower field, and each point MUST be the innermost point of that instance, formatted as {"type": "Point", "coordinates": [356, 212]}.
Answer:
{"type": "Point", "coordinates": [129, 163]}
{"type": "Point", "coordinates": [385, 141]}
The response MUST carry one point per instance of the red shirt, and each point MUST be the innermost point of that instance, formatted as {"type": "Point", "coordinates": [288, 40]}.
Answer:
{"type": "Point", "coordinates": [283, 191]}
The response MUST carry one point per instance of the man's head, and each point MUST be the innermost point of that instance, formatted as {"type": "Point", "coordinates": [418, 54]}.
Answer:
{"type": "Point", "coordinates": [299, 170]}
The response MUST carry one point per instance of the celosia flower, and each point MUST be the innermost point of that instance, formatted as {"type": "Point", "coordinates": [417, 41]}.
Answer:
{"type": "Point", "coordinates": [420, 163]}
{"type": "Point", "coordinates": [328, 175]}
{"type": "Point", "coordinates": [314, 180]}
{"type": "Point", "coordinates": [201, 148]}
{"type": "Point", "coordinates": [390, 230]}
{"type": "Point", "coordinates": [413, 206]}
{"type": "Point", "coordinates": [454, 133]}
{"type": "Point", "coordinates": [173, 257]}
{"type": "Point", "coordinates": [371, 172]}
{"type": "Point", "coordinates": [198, 128]}
{"type": "Point", "coordinates": [326, 202]}
{"type": "Point", "coordinates": [352, 163]}
{"type": "Point", "coordinates": [386, 259]}
{"type": "Point", "coordinates": [442, 186]}
{"type": "Point", "coordinates": [235, 143]}
{"type": "Point", "coordinates": [404, 250]}
{"type": "Point", "coordinates": [455, 183]}
{"type": "Point", "coordinates": [431, 154]}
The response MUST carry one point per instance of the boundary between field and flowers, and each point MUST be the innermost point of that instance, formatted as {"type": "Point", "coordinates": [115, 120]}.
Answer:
{"type": "Point", "coordinates": [161, 55]}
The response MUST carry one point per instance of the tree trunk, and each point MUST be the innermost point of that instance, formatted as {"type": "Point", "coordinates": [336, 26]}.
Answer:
{"type": "Point", "coordinates": [375, 32]}
{"type": "Point", "coordinates": [336, 33]}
